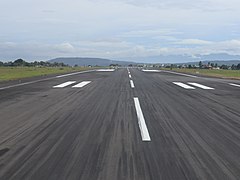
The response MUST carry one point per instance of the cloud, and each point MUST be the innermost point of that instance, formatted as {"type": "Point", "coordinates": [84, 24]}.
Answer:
{"type": "Point", "coordinates": [112, 48]}
{"type": "Point", "coordinates": [193, 42]}
{"type": "Point", "coordinates": [117, 28]}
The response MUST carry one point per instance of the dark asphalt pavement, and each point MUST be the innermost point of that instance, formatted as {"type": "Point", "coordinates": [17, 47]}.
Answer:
{"type": "Point", "coordinates": [94, 132]}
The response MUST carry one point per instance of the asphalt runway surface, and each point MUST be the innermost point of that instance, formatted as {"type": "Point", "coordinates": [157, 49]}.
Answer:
{"type": "Point", "coordinates": [120, 125]}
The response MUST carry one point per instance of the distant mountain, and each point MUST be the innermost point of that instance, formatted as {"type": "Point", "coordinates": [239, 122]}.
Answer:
{"type": "Point", "coordinates": [219, 57]}
{"type": "Point", "coordinates": [89, 61]}
{"type": "Point", "coordinates": [186, 58]}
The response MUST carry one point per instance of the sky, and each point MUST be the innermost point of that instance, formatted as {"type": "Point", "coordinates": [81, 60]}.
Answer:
{"type": "Point", "coordinates": [118, 29]}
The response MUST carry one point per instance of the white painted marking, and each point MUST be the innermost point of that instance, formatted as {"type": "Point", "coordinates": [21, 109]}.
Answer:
{"type": "Point", "coordinates": [82, 84]}
{"type": "Point", "coordinates": [64, 84]}
{"type": "Point", "coordinates": [185, 86]}
{"type": "Point", "coordinates": [236, 85]}
{"type": "Point", "coordinates": [105, 70]}
{"type": "Point", "coordinates": [132, 84]}
{"type": "Point", "coordinates": [46, 79]}
{"type": "Point", "coordinates": [200, 86]}
{"type": "Point", "coordinates": [71, 74]}
{"type": "Point", "coordinates": [130, 76]}
{"type": "Point", "coordinates": [141, 121]}
{"type": "Point", "coordinates": [149, 70]}
{"type": "Point", "coordinates": [188, 75]}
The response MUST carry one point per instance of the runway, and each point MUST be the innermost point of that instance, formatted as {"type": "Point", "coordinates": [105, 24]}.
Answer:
{"type": "Point", "coordinates": [126, 124]}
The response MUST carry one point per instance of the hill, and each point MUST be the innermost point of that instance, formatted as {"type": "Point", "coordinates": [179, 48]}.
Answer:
{"type": "Point", "coordinates": [89, 61]}
{"type": "Point", "coordinates": [182, 59]}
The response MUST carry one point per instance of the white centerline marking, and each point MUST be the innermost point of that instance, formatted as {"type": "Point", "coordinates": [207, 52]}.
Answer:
{"type": "Point", "coordinates": [132, 84]}
{"type": "Point", "coordinates": [81, 84]}
{"type": "Point", "coordinates": [64, 84]}
{"type": "Point", "coordinates": [200, 86]}
{"type": "Point", "coordinates": [141, 121]}
{"type": "Point", "coordinates": [236, 85]}
{"type": "Point", "coordinates": [130, 76]}
{"type": "Point", "coordinates": [185, 86]}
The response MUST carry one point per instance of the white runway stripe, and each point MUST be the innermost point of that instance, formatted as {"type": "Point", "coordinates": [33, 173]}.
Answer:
{"type": "Point", "coordinates": [64, 84]}
{"type": "Point", "coordinates": [200, 86]}
{"type": "Point", "coordinates": [81, 84]}
{"type": "Point", "coordinates": [132, 84]}
{"type": "Point", "coordinates": [141, 121]}
{"type": "Point", "coordinates": [185, 86]}
{"type": "Point", "coordinates": [105, 70]}
{"type": "Point", "coordinates": [236, 85]}
{"type": "Point", "coordinates": [149, 70]}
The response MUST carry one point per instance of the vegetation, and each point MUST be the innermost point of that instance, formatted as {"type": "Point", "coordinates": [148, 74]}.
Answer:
{"type": "Point", "coordinates": [21, 62]}
{"type": "Point", "coordinates": [209, 69]}
{"type": "Point", "coordinates": [22, 69]}
{"type": "Point", "coordinates": [211, 72]}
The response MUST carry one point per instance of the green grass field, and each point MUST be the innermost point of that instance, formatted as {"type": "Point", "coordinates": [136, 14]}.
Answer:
{"type": "Point", "coordinates": [212, 72]}
{"type": "Point", "coordinates": [13, 73]}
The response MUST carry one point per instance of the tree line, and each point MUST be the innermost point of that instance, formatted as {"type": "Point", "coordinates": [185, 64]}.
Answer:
{"type": "Point", "coordinates": [21, 62]}
{"type": "Point", "coordinates": [209, 65]}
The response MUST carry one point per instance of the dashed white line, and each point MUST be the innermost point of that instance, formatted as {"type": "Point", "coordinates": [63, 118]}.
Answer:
{"type": "Point", "coordinates": [64, 84]}
{"type": "Point", "coordinates": [132, 84]}
{"type": "Point", "coordinates": [236, 85]}
{"type": "Point", "coordinates": [130, 76]}
{"type": "Point", "coordinates": [200, 86]}
{"type": "Point", "coordinates": [141, 121]}
{"type": "Point", "coordinates": [185, 86]}
{"type": "Point", "coordinates": [81, 84]}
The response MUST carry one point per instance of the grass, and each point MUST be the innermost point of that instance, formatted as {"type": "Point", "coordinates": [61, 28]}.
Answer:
{"type": "Point", "coordinates": [212, 72]}
{"type": "Point", "coordinates": [13, 73]}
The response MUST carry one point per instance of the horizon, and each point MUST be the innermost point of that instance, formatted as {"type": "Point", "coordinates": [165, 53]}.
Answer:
{"type": "Point", "coordinates": [137, 62]}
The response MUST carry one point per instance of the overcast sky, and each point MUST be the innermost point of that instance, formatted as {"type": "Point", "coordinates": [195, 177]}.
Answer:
{"type": "Point", "coordinates": [117, 29]}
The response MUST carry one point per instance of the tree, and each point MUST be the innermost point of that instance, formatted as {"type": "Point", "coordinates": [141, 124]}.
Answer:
{"type": "Point", "coordinates": [233, 67]}
{"type": "Point", "coordinates": [19, 62]}
{"type": "Point", "coordinates": [224, 66]}
{"type": "Point", "coordinates": [238, 66]}
{"type": "Point", "coordinates": [200, 64]}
